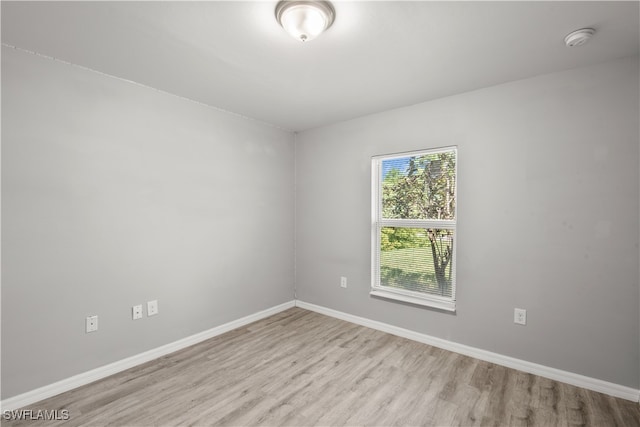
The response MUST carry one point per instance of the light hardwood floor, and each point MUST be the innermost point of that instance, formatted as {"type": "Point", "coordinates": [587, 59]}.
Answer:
{"type": "Point", "coordinates": [301, 368]}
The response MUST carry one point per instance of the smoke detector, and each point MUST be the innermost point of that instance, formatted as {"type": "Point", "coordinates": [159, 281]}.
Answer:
{"type": "Point", "coordinates": [579, 37]}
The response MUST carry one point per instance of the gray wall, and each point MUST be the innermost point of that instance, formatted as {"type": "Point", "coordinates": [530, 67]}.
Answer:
{"type": "Point", "coordinates": [114, 194]}
{"type": "Point", "coordinates": [547, 217]}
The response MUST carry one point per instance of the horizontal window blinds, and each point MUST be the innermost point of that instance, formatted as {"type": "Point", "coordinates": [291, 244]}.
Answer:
{"type": "Point", "coordinates": [414, 223]}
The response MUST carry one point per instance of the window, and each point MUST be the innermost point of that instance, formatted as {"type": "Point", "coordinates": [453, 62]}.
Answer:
{"type": "Point", "coordinates": [414, 227]}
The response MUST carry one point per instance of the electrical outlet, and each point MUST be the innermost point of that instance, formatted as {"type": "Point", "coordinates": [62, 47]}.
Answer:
{"type": "Point", "coordinates": [91, 324]}
{"type": "Point", "coordinates": [152, 307]}
{"type": "Point", "coordinates": [137, 312]}
{"type": "Point", "coordinates": [520, 316]}
{"type": "Point", "coordinates": [343, 282]}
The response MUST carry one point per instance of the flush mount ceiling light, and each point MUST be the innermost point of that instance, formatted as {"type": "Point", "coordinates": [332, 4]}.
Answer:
{"type": "Point", "coordinates": [305, 20]}
{"type": "Point", "coordinates": [579, 37]}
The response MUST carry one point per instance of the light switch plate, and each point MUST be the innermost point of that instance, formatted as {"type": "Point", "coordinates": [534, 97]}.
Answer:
{"type": "Point", "coordinates": [91, 324]}
{"type": "Point", "coordinates": [137, 312]}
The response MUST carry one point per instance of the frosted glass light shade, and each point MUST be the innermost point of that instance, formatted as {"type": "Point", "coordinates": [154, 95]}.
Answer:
{"type": "Point", "coordinates": [305, 20]}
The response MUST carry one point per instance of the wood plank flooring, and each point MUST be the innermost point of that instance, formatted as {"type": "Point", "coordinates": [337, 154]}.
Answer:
{"type": "Point", "coordinates": [300, 368]}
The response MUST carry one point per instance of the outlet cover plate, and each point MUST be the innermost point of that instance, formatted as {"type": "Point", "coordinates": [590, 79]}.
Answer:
{"type": "Point", "coordinates": [152, 307]}
{"type": "Point", "coordinates": [520, 316]}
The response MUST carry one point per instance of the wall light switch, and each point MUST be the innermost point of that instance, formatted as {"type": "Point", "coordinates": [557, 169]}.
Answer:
{"type": "Point", "coordinates": [91, 324]}
{"type": "Point", "coordinates": [137, 312]}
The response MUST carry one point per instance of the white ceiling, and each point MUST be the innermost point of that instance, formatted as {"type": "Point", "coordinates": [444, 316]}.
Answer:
{"type": "Point", "coordinates": [376, 56]}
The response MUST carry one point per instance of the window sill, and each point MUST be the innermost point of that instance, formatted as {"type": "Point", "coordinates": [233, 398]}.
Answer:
{"type": "Point", "coordinates": [434, 302]}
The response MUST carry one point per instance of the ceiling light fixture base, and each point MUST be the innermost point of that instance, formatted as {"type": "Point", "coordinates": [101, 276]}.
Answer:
{"type": "Point", "coordinates": [305, 20]}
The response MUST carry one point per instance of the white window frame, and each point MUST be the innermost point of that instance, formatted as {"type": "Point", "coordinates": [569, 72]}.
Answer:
{"type": "Point", "coordinates": [377, 223]}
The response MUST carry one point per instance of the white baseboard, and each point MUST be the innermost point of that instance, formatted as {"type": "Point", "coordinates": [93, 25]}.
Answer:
{"type": "Point", "coordinates": [50, 390]}
{"type": "Point", "coordinates": [589, 383]}
{"type": "Point", "coordinates": [67, 384]}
